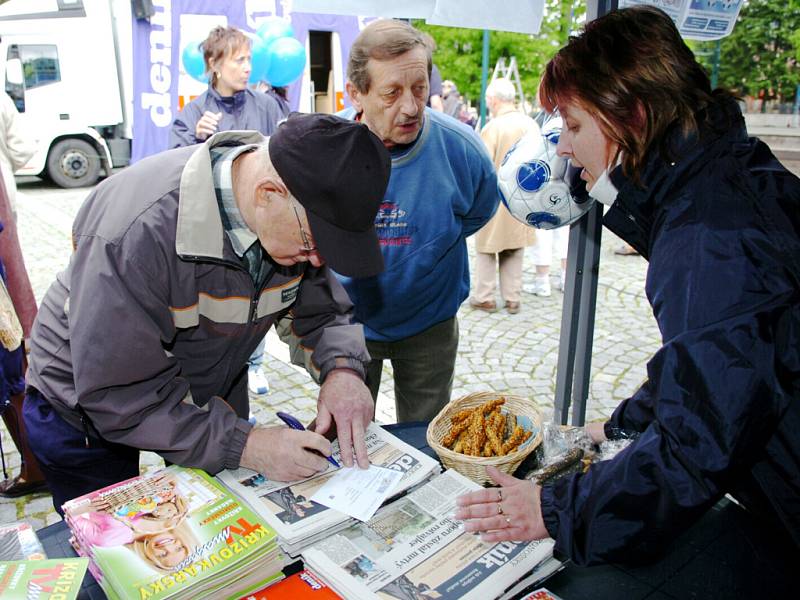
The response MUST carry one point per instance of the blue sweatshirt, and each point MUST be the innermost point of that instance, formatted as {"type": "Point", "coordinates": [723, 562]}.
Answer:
{"type": "Point", "coordinates": [442, 189]}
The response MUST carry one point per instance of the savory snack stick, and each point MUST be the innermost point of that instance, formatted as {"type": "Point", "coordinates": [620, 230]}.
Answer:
{"type": "Point", "coordinates": [490, 405]}
{"type": "Point", "coordinates": [462, 415]}
{"type": "Point", "coordinates": [476, 434]}
{"type": "Point", "coordinates": [518, 436]}
{"type": "Point", "coordinates": [455, 430]}
{"type": "Point", "coordinates": [495, 434]}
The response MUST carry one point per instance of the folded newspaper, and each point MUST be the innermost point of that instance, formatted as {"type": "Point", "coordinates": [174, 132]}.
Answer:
{"type": "Point", "coordinates": [175, 533]}
{"type": "Point", "coordinates": [412, 549]}
{"type": "Point", "coordinates": [298, 520]}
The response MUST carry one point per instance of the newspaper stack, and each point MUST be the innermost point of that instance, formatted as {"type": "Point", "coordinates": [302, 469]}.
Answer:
{"type": "Point", "coordinates": [412, 548]}
{"type": "Point", "coordinates": [176, 533]}
{"type": "Point", "coordinates": [301, 522]}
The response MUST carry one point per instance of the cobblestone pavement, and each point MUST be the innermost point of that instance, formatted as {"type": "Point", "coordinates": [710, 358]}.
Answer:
{"type": "Point", "coordinates": [500, 352]}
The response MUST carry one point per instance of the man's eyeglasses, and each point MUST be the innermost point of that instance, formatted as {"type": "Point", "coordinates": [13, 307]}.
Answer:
{"type": "Point", "coordinates": [307, 246]}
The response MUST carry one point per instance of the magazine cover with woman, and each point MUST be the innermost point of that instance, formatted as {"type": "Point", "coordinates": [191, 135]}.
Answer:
{"type": "Point", "coordinates": [172, 534]}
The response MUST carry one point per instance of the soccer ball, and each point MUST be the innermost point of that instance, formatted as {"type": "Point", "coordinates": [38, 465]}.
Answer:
{"type": "Point", "coordinates": [534, 182]}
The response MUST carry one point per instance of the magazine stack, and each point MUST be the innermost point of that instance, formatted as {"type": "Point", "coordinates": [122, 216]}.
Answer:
{"type": "Point", "coordinates": [53, 579]}
{"type": "Point", "coordinates": [412, 548]}
{"type": "Point", "coordinates": [301, 522]}
{"type": "Point", "coordinates": [176, 533]}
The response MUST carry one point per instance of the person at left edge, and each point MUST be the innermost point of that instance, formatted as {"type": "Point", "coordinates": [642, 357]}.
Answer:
{"type": "Point", "coordinates": [180, 265]}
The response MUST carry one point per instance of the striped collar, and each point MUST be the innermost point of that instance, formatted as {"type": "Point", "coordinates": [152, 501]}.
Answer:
{"type": "Point", "coordinates": [240, 235]}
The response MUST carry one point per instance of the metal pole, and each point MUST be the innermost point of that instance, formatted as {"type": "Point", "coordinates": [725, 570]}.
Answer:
{"type": "Point", "coordinates": [580, 299]}
{"type": "Point", "coordinates": [577, 317]}
{"type": "Point", "coordinates": [590, 269]}
{"type": "Point", "coordinates": [484, 75]}
{"type": "Point", "coordinates": [715, 64]}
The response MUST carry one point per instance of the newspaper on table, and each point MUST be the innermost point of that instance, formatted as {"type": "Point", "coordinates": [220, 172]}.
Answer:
{"type": "Point", "coordinates": [18, 541]}
{"type": "Point", "coordinates": [176, 533]}
{"type": "Point", "coordinates": [288, 507]}
{"type": "Point", "coordinates": [412, 548]}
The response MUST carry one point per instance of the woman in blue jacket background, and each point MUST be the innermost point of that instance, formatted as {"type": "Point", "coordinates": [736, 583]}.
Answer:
{"type": "Point", "coordinates": [718, 218]}
{"type": "Point", "coordinates": [228, 104]}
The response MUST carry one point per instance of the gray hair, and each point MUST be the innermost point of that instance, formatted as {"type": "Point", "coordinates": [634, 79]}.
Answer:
{"type": "Point", "coordinates": [502, 89]}
{"type": "Point", "coordinates": [382, 40]}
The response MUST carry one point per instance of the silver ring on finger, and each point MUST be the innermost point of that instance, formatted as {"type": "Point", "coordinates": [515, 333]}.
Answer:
{"type": "Point", "coordinates": [508, 521]}
{"type": "Point", "coordinates": [499, 494]}
{"type": "Point", "coordinates": [499, 509]}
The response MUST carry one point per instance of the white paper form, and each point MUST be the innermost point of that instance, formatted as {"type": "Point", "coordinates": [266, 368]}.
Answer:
{"type": "Point", "coordinates": [358, 492]}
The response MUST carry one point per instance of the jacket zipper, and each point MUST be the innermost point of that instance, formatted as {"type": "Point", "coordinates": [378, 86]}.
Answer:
{"type": "Point", "coordinates": [226, 263]}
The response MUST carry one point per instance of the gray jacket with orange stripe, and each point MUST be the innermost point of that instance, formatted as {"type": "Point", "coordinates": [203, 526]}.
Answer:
{"type": "Point", "coordinates": [149, 328]}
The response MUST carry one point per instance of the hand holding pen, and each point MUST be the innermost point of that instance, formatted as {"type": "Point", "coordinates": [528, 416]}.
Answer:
{"type": "Point", "coordinates": [285, 453]}
{"type": "Point", "coordinates": [295, 424]}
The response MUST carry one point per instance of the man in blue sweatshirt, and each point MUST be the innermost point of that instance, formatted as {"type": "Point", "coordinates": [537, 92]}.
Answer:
{"type": "Point", "coordinates": [442, 189]}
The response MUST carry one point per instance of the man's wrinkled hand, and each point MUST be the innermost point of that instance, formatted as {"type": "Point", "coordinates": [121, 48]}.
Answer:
{"type": "Point", "coordinates": [284, 454]}
{"type": "Point", "coordinates": [345, 400]}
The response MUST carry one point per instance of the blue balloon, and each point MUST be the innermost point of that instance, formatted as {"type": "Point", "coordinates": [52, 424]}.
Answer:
{"type": "Point", "coordinates": [260, 59]}
{"type": "Point", "coordinates": [273, 28]}
{"type": "Point", "coordinates": [193, 63]}
{"type": "Point", "coordinates": [287, 61]}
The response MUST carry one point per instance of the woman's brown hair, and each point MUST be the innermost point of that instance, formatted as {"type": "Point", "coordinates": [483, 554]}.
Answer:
{"type": "Point", "coordinates": [221, 42]}
{"type": "Point", "coordinates": [632, 72]}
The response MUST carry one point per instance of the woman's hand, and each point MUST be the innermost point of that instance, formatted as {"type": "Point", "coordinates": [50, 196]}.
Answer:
{"type": "Point", "coordinates": [510, 512]}
{"type": "Point", "coordinates": [596, 431]}
{"type": "Point", "coordinates": [207, 125]}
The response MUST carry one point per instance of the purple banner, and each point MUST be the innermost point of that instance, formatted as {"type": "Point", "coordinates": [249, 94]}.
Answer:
{"type": "Point", "coordinates": [160, 88]}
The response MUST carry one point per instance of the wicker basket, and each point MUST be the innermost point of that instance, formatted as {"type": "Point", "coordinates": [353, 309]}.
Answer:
{"type": "Point", "coordinates": [474, 467]}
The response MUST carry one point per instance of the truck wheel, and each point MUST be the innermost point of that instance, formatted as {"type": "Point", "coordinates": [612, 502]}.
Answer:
{"type": "Point", "coordinates": [73, 163]}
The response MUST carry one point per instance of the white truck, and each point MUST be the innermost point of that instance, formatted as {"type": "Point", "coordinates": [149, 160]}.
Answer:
{"type": "Point", "coordinates": [96, 100]}
{"type": "Point", "coordinates": [62, 63]}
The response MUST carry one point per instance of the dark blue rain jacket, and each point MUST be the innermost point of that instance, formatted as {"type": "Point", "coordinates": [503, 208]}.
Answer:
{"type": "Point", "coordinates": [718, 219]}
{"type": "Point", "coordinates": [245, 110]}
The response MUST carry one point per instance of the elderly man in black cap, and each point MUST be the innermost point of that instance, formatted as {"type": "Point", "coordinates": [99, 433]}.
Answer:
{"type": "Point", "coordinates": [181, 263]}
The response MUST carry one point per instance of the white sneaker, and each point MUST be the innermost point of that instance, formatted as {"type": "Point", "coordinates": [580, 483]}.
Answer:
{"type": "Point", "coordinates": [257, 381]}
{"type": "Point", "coordinates": [560, 285]}
{"type": "Point", "coordinates": [540, 287]}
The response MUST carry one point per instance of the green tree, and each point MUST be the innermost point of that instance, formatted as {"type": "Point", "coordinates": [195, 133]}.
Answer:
{"type": "Point", "coordinates": [459, 51]}
{"type": "Point", "coordinates": [760, 58]}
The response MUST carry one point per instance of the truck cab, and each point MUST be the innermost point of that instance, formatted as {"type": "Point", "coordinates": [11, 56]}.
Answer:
{"type": "Point", "coordinates": [61, 62]}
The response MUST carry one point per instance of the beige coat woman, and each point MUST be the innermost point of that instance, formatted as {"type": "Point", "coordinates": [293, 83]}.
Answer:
{"type": "Point", "coordinates": [504, 232]}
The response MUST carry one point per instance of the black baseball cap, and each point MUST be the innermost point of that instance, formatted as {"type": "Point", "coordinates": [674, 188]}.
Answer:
{"type": "Point", "coordinates": [338, 170]}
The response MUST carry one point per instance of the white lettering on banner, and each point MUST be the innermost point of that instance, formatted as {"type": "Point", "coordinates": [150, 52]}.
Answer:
{"type": "Point", "coordinates": [159, 101]}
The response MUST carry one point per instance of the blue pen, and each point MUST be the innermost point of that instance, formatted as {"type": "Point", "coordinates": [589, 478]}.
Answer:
{"type": "Point", "coordinates": [295, 424]}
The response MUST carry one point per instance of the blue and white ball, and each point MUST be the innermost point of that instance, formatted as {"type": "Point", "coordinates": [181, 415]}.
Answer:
{"type": "Point", "coordinates": [533, 180]}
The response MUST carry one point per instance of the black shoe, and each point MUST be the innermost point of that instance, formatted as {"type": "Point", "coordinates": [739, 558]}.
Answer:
{"type": "Point", "coordinates": [17, 486]}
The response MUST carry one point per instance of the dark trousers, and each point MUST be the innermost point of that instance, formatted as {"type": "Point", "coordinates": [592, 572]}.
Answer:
{"type": "Point", "coordinates": [423, 366]}
{"type": "Point", "coordinates": [69, 466]}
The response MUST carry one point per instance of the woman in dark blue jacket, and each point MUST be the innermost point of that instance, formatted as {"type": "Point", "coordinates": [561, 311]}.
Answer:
{"type": "Point", "coordinates": [718, 217]}
{"type": "Point", "coordinates": [227, 103]}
